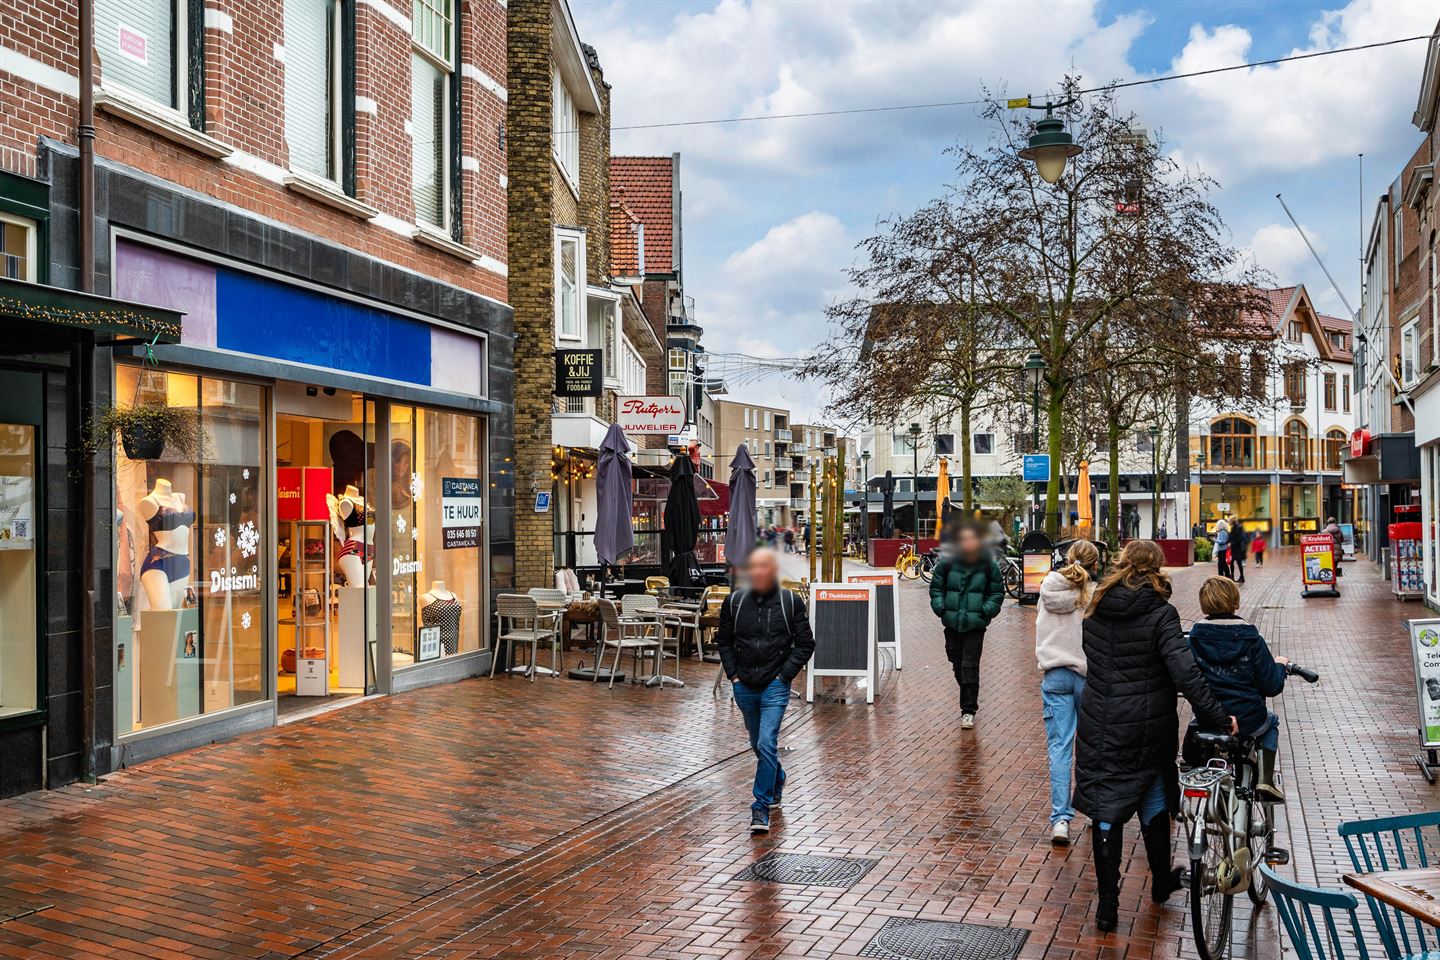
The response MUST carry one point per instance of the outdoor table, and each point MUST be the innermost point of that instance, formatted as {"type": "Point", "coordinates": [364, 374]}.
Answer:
{"type": "Point", "coordinates": [623, 588]}
{"type": "Point", "coordinates": [1415, 892]}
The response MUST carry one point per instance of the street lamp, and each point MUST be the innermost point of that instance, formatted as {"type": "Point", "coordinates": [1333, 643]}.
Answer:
{"type": "Point", "coordinates": [1051, 144]}
{"type": "Point", "coordinates": [1154, 482]}
{"type": "Point", "coordinates": [1034, 372]}
{"type": "Point", "coordinates": [865, 498]}
{"type": "Point", "coordinates": [915, 480]}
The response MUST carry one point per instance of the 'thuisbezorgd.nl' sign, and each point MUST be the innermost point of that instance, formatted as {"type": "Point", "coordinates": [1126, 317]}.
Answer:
{"type": "Point", "coordinates": [662, 415]}
{"type": "Point", "coordinates": [460, 512]}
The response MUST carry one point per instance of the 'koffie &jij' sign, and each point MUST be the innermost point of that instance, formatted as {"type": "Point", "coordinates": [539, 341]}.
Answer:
{"type": "Point", "coordinates": [578, 373]}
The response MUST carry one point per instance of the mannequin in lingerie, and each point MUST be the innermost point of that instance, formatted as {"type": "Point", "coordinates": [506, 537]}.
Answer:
{"type": "Point", "coordinates": [355, 529]}
{"type": "Point", "coordinates": [165, 572]}
{"type": "Point", "coordinates": [440, 607]}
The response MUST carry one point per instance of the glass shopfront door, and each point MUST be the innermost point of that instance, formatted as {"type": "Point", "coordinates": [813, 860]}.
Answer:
{"type": "Point", "coordinates": [21, 406]}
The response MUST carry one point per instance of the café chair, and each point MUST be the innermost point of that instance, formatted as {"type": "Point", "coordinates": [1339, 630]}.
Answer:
{"type": "Point", "coordinates": [1396, 843]}
{"type": "Point", "coordinates": [1317, 921]}
{"type": "Point", "coordinates": [638, 634]}
{"type": "Point", "coordinates": [521, 622]}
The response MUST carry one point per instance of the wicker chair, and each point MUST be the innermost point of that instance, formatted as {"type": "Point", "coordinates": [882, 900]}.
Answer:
{"type": "Point", "coordinates": [521, 622]}
{"type": "Point", "coordinates": [636, 634]}
{"type": "Point", "coordinates": [654, 585]}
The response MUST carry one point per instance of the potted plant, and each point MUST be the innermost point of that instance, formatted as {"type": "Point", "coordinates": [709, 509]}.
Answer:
{"type": "Point", "coordinates": [146, 428]}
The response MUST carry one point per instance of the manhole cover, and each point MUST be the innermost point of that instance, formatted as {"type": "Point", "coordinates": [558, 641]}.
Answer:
{"type": "Point", "coordinates": [808, 870]}
{"type": "Point", "coordinates": [902, 939]}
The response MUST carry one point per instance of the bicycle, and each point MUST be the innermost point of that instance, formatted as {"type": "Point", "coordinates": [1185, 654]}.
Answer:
{"type": "Point", "coordinates": [1229, 829]}
{"type": "Point", "coordinates": [1011, 572]}
{"type": "Point", "coordinates": [907, 562]}
{"type": "Point", "coordinates": [927, 564]}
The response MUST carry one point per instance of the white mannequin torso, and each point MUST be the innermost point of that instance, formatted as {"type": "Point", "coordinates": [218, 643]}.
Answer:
{"type": "Point", "coordinates": [165, 497]}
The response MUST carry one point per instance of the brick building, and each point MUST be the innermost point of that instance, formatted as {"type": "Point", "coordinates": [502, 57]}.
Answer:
{"type": "Point", "coordinates": [303, 208]}
{"type": "Point", "coordinates": [575, 249]}
{"type": "Point", "coordinates": [765, 431]}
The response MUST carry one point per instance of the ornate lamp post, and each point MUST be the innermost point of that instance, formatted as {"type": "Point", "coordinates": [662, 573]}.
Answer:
{"type": "Point", "coordinates": [865, 499]}
{"type": "Point", "coordinates": [915, 480]}
{"type": "Point", "coordinates": [1154, 482]}
{"type": "Point", "coordinates": [1034, 371]}
{"type": "Point", "coordinates": [1051, 144]}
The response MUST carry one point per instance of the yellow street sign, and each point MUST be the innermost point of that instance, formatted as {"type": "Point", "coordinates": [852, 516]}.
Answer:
{"type": "Point", "coordinates": [1018, 103]}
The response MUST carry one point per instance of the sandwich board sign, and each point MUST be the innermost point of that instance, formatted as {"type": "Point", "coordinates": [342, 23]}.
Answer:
{"type": "Point", "coordinates": [1425, 647]}
{"type": "Point", "coordinates": [887, 608]}
{"type": "Point", "coordinates": [842, 618]}
{"type": "Point", "coordinates": [1317, 565]}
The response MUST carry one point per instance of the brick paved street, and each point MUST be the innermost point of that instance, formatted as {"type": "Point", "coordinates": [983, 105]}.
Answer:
{"type": "Point", "coordinates": [561, 819]}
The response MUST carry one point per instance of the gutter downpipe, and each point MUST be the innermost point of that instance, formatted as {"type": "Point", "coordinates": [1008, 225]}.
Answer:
{"type": "Point", "coordinates": [86, 372]}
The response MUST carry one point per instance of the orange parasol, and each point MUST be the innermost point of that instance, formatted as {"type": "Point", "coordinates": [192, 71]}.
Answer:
{"type": "Point", "coordinates": [942, 495]}
{"type": "Point", "coordinates": [1082, 494]}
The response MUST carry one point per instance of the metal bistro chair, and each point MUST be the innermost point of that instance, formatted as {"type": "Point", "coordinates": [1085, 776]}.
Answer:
{"type": "Point", "coordinates": [635, 634]}
{"type": "Point", "coordinates": [1395, 843]}
{"type": "Point", "coordinates": [526, 625]}
{"type": "Point", "coordinates": [1315, 919]}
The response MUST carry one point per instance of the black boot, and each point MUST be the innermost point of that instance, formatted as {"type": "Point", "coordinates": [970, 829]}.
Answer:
{"type": "Point", "coordinates": [1164, 876]}
{"type": "Point", "coordinates": [1106, 844]}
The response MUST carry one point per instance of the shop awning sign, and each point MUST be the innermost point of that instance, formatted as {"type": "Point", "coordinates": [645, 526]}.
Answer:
{"type": "Point", "coordinates": [461, 511]}
{"type": "Point", "coordinates": [658, 415]}
{"type": "Point", "coordinates": [578, 373]}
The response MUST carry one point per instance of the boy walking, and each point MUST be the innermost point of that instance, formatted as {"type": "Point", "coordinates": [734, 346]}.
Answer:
{"type": "Point", "coordinates": [966, 591]}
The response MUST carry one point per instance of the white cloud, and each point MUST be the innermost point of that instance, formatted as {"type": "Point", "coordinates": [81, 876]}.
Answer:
{"type": "Point", "coordinates": [1279, 248]}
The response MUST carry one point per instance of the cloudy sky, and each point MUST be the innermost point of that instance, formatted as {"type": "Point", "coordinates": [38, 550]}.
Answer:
{"type": "Point", "coordinates": [773, 209]}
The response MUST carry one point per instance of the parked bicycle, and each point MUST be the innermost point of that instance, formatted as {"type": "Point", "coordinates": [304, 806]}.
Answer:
{"type": "Point", "coordinates": [907, 562]}
{"type": "Point", "coordinates": [1010, 571]}
{"type": "Point", "coordinates": [1229, 829]}
{"type": "Point", "coordinates": [927, 563]}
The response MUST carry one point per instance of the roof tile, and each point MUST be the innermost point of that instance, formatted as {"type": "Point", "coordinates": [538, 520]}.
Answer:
{"type": "Point", "coordinates": [646, 185]}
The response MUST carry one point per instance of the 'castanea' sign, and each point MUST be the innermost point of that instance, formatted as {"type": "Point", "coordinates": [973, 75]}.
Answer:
{"type": "Point", "coordinates": [663, 415]}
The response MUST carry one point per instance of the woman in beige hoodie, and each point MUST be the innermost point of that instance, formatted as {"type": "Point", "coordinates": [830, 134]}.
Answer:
{"type": "Point", "coordinates": [1059, 631]}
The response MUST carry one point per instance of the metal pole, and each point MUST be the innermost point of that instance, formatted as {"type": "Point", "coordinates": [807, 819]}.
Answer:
{"type": "Point", "coordinates": [1035, 442]}
{"type": "Point", "coordinates": [1155, 488]}
{"type": "Point", "coordinates": [865, 505]}
{"type": "Point", "coordinates": [811, 522]}
{"type": "Point", "coordinates": [915, 487]}
{"type": "Point", "coordinates": [840, 511]}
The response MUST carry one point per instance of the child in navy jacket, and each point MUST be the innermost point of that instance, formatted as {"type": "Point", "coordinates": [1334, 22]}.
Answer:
{"type": "Point", "coordinates": [1241, 672]}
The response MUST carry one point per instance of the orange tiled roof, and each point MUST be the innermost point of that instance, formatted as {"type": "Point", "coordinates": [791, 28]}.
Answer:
{"type": "Point", "coordinates": [646, 186]}
{"type": "Point", "coordinates": [1338, 325]}
{"type": "Point", "coordinates": [624, 240]}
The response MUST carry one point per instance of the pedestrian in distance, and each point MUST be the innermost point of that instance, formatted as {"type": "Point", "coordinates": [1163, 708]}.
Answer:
{"type": "Point", "coordinates": [1222, 547]}
{"type": "Point", "coordinates": [1336, 536]}
{"type": "Point", "coordinates": [764, 640]}
{"type": "Point", "coordinates": [1241, 672]}
{"type": "Point", "coordinates": [1136, 659]}
{"type": "Point", "coordinates": [1239, 548]}
{"type": "Point", "coordinates": [1060, 654]}
{"type": "Point", "coordinates": [966, 591]}
{"type": "Point", "coordinates": [1257, 547]}
{"type": "Point", "coordinates": [789, 540]}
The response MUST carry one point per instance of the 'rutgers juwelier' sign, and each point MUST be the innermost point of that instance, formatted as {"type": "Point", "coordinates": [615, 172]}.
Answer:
{"type": "Point", "coordinates": [578, 373]}
{"type": "Point", "coordinates": [662, 415]}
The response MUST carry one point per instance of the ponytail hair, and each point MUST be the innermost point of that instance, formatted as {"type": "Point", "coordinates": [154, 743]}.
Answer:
{"type": "Point", "coordinates": [1083, 557]}
{"type": "Point", "coordinates": [1140, 564]}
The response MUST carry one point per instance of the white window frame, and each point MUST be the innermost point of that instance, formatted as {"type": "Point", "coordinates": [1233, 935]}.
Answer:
{"type": "Point", "coordinates": [565, 129]}
{"type": "Point", "coordinates": [335, 133]}
{"type": "Point", "coordinates": [179, 66]}
{"type": "Point", "coordinates": [1410, 352]}
{"type": "Point", "coordinates": [32, 232]}
{"type": "Point", "coordinates": [769, 421]}
{"type": "Point", "coordinates": [745, 412]}
{"type": "Point", "coordinates": [446, 66]}
{"type": "Point", "coordinates": [574, 333]}
{"type": "Point", "coordinates": [975, 443]}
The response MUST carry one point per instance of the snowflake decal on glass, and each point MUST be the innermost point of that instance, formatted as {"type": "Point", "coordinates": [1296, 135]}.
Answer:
{"type": "Point", "coordinates": [245, 474]}
{"type": "Point", "coordinates": [221, 536]}
{"type": "Point", "coordinates": [233, 498]}
{"type": "Point", "coordinates": [400, 524]}
{"type": "Point", "coordinates": [247, 539]}
{"type": "Point", "coordinates": [415, 533]}
{"type": "Point", "coordinates": [245, 620]}
{"type": "Point", "coordinates": [416, 486]}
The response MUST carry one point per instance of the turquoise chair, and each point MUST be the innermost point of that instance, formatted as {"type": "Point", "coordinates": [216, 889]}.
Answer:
{"type": "Point", "coordinates": [1396, 843]}
{"type": "Point", "coordinates": [1319, 922]}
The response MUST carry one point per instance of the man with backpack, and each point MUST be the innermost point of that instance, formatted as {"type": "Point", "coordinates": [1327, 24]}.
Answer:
{"type": "Point", "coordinates": [764, 640]}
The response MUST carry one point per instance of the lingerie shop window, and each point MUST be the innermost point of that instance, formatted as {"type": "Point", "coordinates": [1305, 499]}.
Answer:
{"type": "Point", "coordinates": [189, 563]}
{"type": "Point", "coordinates": [436, 512]}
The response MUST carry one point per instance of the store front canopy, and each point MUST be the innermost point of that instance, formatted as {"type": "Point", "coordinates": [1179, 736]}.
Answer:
{"type": "Point", "coordinates": [44, 304]}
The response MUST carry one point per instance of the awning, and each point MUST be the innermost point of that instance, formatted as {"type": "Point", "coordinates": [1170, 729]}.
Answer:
{"type": "Point", "coordinates": [720, 505]}
{"type": "Point", "coordinates": [44, 304]}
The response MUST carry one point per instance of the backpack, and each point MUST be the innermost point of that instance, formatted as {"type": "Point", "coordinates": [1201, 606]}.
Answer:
{"type": "Point", "coordinates": [787, 603]}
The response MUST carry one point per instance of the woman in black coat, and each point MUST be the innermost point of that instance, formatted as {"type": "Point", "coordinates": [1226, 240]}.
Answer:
{"type": "Point", "coordinates": [1136, 657]}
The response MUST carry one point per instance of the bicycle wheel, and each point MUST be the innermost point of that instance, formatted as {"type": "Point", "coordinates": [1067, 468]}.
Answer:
{"type": "Point", "coordinates": [1259, 846]}
{"type": "Point", "coordinates": [1013, 583]}
{"type": "Point", "coordinates": [910, 568]}
{"type": "Point", "coordinates": [927, 569]}
{"type": "Point", "coordinates": [1209, 908]}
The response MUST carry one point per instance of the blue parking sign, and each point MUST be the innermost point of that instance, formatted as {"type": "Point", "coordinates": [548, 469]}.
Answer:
{"type": "Point", "coordinates": [1037, 467]}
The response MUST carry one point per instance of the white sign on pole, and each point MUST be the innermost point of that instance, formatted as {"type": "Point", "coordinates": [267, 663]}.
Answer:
{"type": "Point", "coordinates": [662, 415]}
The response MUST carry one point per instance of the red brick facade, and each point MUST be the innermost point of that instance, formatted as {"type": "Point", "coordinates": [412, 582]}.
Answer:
{"type": "Point", "coordinates": [244, 110]}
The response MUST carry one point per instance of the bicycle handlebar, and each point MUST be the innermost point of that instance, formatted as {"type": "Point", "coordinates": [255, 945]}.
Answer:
{"type": "Point", "coordinates": [1304, 673]}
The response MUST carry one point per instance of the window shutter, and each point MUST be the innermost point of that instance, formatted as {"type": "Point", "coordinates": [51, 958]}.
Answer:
{"type": "Point", "coordinates": [135, 40]}
{"type": "Point", "coordinates": [427, 132]}
{"type": "Point", "coordinates": [309, 47]}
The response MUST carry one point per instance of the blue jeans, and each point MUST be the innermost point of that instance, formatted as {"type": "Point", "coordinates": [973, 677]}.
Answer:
{"type": "Point", "coordinates": [1270, 738]}
{"type": "Point", "coordinates": [763, 710]}
{"type": "Point", "coordinates": [1151, 805]}
{"type": "Point", "coordinates": [1060, 692]}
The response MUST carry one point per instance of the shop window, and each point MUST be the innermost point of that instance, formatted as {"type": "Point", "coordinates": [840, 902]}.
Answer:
{"type": "Point", "coordinates": [1297, 441]}
{"type": "Point", "coordinates": [432, 64]}
{"type": "Point", "coordinates": [137, 48]}
{"type": "Point", "coordinates": [1335, 441]}
{"type": "Point", "coordinates": [19, 664]}
{"type": "Point", "coordinates": [312, 83]}
{"type": "Point", "coordinates": [437, 534]}
{"type": "Point", "coordinates": [17, 247]}
{"type": "Point", "coordinates": [190, 565]}
{"type": "Point", "coordinates": [1232, 443]}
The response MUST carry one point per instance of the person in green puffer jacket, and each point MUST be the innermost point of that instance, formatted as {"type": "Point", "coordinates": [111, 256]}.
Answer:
{"type": "Point", "coordinates": [966, 591]}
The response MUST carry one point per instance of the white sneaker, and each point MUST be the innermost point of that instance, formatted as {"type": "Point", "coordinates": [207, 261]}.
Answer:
{"type": "Point", "coordinates": [1060, 833]}
{"type": "Point", "coordinates": [967, 721]}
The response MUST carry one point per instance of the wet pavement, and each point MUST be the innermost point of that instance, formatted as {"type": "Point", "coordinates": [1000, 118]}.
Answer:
{"type": "Point", "coordinates": [562, 819]}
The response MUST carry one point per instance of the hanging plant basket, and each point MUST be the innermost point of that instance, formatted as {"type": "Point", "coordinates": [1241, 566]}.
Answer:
{"type": "Point", "coordinates": [147, 430]}
{"type": "Point", "coordinates": [143, 441]}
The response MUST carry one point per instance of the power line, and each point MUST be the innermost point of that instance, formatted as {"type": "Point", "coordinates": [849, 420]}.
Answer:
{"type": "Point", "coordinates": [972, 103]}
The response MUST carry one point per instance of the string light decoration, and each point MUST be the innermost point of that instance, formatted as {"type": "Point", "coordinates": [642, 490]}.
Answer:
{"type": "Point", "coordinates": [100, 319]}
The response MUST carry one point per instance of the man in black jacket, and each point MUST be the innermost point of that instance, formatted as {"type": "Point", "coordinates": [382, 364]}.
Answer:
{"type": "Point", "coordinates": [764, 641]}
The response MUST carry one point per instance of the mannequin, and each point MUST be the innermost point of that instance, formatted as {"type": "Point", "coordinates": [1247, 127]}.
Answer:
{"type": "Point", "coordinates": [165, 572]}
{"type": "Point", "coordinates": [440, 607]}
{"type": "Point", "coordinates": [353, 523]}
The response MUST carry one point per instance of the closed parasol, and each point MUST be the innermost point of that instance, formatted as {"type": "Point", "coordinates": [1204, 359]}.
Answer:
{"type": "Point", "coordinates": [682, 525]}
{"type": "Point", "coordinates": [614, 495]}
{"type": "Point", "coordinates": [740, 529]}
{"type": "Point", "coordinates": [942, 496]}
{"type": "Point", "coordinates": [1087, 508]}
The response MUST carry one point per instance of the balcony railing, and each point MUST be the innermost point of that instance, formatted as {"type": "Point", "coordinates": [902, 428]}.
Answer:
{"type": "Point", "coordinates": [782, 435]}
